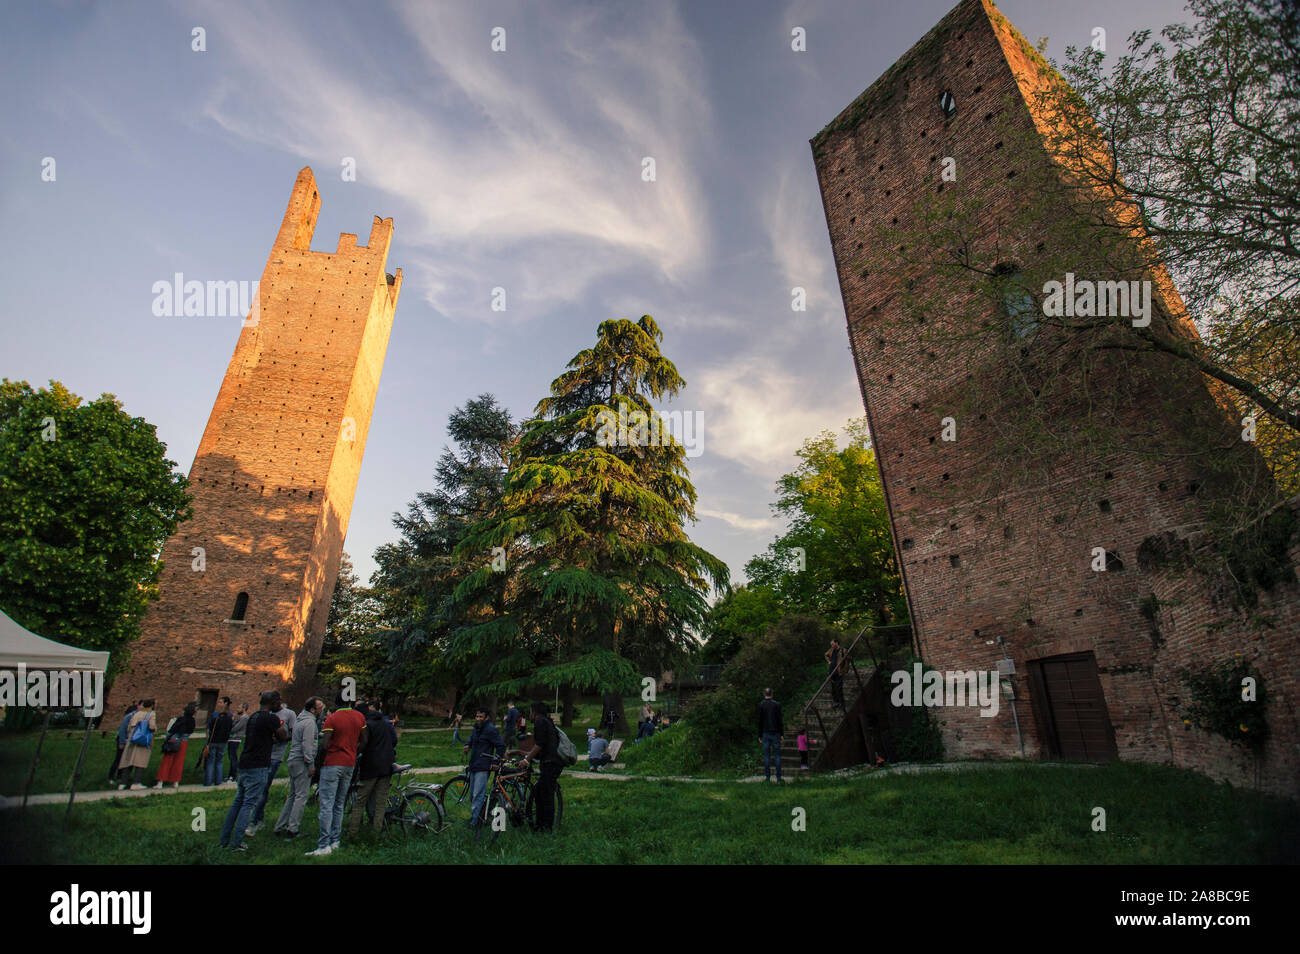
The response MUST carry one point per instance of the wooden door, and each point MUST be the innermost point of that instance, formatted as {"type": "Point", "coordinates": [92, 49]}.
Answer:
{"type": "Point", "coordinates": [1071, 709]}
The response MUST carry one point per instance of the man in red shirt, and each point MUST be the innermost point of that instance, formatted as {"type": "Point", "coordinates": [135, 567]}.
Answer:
{"type": "Point", "coordinates": [344, 735]}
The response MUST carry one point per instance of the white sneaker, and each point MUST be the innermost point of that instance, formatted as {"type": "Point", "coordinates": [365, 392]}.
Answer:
{"type": "Point", "coordinates": [336, 846]}
{"type": "Point", "coordinates": [321, 852]}
{"type": "Point", "coordinates": [252, 830]}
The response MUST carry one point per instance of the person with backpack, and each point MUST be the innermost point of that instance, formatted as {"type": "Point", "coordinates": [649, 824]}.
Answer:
{"type": "Point", "coordinates": [286, 717]}
{"type": "Point", "coordinates": [302, 759]}
{"type": "Point", "coordinates": [139, 744]}
{"type": "Point", "coordinates": [175, 742]}
{"type": "Point", "coordinates": [547, 742]}
{"type": "Point", "coordinates": [121, 740]}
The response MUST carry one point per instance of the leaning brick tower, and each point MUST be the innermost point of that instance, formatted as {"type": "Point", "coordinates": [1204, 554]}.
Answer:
{"type": "Point", "coordinates": [998, 557]}
{"type": "Point", "coordinates": [246, 584]}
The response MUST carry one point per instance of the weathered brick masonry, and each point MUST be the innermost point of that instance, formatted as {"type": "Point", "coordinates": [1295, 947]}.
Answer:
{"type": "Point", "coordinates": [274, 475]}
{"type": "Point", "coordinates": [1013, 564]}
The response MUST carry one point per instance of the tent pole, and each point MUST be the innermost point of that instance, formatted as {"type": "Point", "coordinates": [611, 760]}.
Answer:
{"type": "Point", "coordinates": [76, 774]}
{"type": "Point", "coordinates": [36, 756]}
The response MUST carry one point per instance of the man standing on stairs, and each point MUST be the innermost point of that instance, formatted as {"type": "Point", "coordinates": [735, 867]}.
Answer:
{"type": "Point", "coordinates": [835, 660]}
{"type": "Point", "coordinates": [770, 730]}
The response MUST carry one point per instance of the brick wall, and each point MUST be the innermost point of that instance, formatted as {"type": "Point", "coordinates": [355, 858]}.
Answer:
{"type": "Point", "coordinates": [274, 475]}
{"type": "Point", "coordinates": [1002, 549]}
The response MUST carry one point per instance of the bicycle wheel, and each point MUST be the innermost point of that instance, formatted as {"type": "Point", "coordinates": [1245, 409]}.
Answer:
{"type": "Point", "coordinates": [518, 804]}
{"type": "Point", "coordinates": [531, 811]}
{"type": "Point", "coordinates": [488, 824]}
{"type": "Point", "coordinates": [457, 806]}
{"type": "Point", "coordinates": [420, 813]}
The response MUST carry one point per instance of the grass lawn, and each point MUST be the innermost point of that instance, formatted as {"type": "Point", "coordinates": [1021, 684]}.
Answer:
{"type": "Point", "coordinates": [1007, 814]}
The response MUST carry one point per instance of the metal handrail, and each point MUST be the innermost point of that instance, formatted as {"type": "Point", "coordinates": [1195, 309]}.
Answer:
{"type": "Point", "coordinates": [847, 657]}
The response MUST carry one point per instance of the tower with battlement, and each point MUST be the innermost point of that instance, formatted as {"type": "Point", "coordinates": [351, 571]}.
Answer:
{"type": "Point", "coordinates": [999, 555]}
{"type": "Point", "coordinates": [247, 581]}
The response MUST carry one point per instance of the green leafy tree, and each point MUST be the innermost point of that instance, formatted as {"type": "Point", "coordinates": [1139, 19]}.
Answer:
{"type": "Point", "coordinates": [392, 635]}
{"type": "Point", "coordinates": [87, 499]}
{"type": "Point", "coordinates": [601, 582]}
{"type": "Point", "coordinates": [1191, 136]}
{"type": "Point", "coordinates": [737, 619]}
{"type": "Point", "coordinates": [837, 559]}
{"type": "Point", "coordinates": [353, 644]}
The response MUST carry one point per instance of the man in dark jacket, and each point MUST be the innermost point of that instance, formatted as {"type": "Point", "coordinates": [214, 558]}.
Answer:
{"type": "Point", "coordinates": [510, 728]}
{"type": "Point", "coordinates": [219, 726]}
{"type": "Point", "coordinates": [375, 768]}
{"type": "Point", "coordinates": [546, 741]}
{"type": "Point", "coordinates": [770, 730]}
{"type": "Point", "coordinates": [484, 742]}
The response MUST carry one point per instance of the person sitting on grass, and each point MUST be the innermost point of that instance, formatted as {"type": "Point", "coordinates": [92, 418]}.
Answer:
{"type": "Point", "coordinates": [597, 751]}
{"type": "Point", "coordinates": [484, 742]}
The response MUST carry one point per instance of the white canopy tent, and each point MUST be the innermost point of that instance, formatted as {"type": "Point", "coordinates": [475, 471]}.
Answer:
{"type": "Point", "coordinates": [21, 647]}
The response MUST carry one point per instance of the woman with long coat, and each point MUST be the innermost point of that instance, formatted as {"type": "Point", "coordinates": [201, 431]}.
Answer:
{"type": "Point", "coordinates": [136, 757]}
{"type": "Point", "coordinates": [173, 763]}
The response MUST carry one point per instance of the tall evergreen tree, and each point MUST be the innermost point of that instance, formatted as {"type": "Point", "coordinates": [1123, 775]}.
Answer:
{"type": "Point", "coordinates": [601, 582]}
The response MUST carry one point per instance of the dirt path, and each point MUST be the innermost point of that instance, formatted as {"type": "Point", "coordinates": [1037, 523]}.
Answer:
{"type": "Point", "coordinates": [61, 798]}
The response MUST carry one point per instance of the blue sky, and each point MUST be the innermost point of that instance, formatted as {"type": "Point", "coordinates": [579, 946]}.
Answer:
{"type": "Point", "coordinates": [519, 169]}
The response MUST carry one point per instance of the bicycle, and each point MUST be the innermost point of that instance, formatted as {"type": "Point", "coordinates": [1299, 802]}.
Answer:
{"type": "Point", "coordinates": [515, 794]}
{"type": "Point", "coordinates": [415, 806]}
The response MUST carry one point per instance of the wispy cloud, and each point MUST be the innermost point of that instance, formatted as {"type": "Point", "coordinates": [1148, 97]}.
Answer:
{"type": "Point", "coordinates": [758, 415]}
{"type": "Point", "coordinates": [748, 524]}
{"type": "Point", "coordinates": [796, 232]}
{"type": "Point", "coordinates": [523, 167]}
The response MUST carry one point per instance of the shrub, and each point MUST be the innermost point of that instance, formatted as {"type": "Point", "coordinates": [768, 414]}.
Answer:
{"type": "Point", "coordinates": [787, 659]}
{"type": "Point", "coordinates": [1217, 705]}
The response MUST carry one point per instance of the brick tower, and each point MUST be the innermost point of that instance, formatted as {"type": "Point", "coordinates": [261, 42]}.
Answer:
{"type": "Point", "coordinates": [1000, 573]}
{"type": "Point", "coordinates": [246, 584]}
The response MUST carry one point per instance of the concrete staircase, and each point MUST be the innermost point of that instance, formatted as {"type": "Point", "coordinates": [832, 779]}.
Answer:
{"type": "Point", "coordinates": [823, 719]}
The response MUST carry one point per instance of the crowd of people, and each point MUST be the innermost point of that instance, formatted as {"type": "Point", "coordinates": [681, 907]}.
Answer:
{"type": "Point", "coordinates": [329, 749]}
{"type": "Point", "coordinates": [487, 745]}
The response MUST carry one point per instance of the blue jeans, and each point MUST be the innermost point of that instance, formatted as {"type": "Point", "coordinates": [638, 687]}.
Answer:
{"type": "Point", "coordinates": [213, 766]}
{"type": "Point", "coordinates": [333, 791]}
{"type": "Point", "coordinates": [252, 782]}
{"type": "Point", "coordinates": [260, 813]}
{"type": "Point", "coordinates": [771, 749]}
{"type": "Point", "coordinates": [478, 782]}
